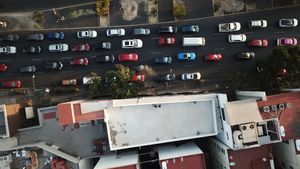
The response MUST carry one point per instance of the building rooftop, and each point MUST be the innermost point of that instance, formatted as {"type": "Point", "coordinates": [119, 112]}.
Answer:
{"type": "Point", "coordinates": [173, 151]}
{"type": "Point", "coordinates": [115, 161]}
{"type": "Point", "coordinates": [153, 120]}
{"type": "Point", "coordinates": [286, 107]}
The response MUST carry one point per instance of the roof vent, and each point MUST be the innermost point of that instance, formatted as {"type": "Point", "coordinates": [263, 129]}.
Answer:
{"type": "Point", "coordinates": [288, 105]}
{"type": "Point", "coordinates": [281, 106]}
{"type": "Point", "coordinates": [274, 107]}
{"type": "Point", "coordinates": [266, 109]}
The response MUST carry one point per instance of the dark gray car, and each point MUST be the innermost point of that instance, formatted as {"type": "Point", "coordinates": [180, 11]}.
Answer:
{"type": "Point", "coordinates": [141, 31]}
{"type": "Point", "coordinates": [37, 37]}
{"type": "Point", "coordinates": [103, 45]}
{"type": "Point", "coordinates": [106, 58]}
{"type": "Point", "coordinates": [167, 77]}
{"type": "Point", "coordinates": [28, 69]}
{"type": "Point", "coordinates": [10, 37]}
{"type": "Point", "coordinates": [163, 60]}
{"type": "Point", "coordinates": [53, 65]}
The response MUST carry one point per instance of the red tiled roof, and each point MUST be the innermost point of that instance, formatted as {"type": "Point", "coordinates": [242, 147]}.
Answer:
{"type": "Point", "coordinates": [288, 117]}
{"type": "Point", "coordinates": [66, 114]}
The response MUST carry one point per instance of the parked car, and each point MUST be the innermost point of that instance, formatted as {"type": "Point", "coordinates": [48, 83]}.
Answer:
{"type": "Point", "coordinates": [81, 47]}
{"type": "Point", "coordinates": [53, 65]}
{"type": "Point", "coordinates": [237, 38]}
{"type": "Point", "coordinates": [190, 29]}
{"type": "Point", "coordinates": [258, 43]}
{"type": "Point", "coordinates": [258, 23]}
{"type": "Point", "coordinates": [186, 56]}
{"type": "Point", "coordinates": [126, 57]}
{"type": "Point", "coordinates": [132, 43]}
{"type": "Point", "coordinates": [79, 61]}
{"type": "Point", "coordinates": [215, 57]}
{"type": "Point", "coordinates": [167, 29]}
{"type": "Point", "coordinates": [28, 69]}
{"type": "Point", "coordinates": [56, 35]}
{"type": "Point", "coordinates": [8, 50]}
{"type": "Point", "coordinates": [106, 58]}
{"type": "Point", "coordinates": [163, 60]}
{"type": "Point", "coordinates": [10, 84]}
{"type": "Point", "coordinates": [140, 68]}
{"type": "Point", "coordinates": [166, 41]}
{"type": "Point", "coordinates": [10, 37]}
{"type": "Point", "coordinates": [246, 55]}
{"type": "Point", "coordinates": [3, 67]}
{"type": "Point", "coordinates": [102, 45]}
{"type": "Point", "coordinates": [138, 77]}
{"type": "Point", "coordinates": [87, 34]}
{"type": "Point", "coordinates": [36, 37]}
{"type": "Point", "coordinates": [69, 82]}
{"type": "Point", "coordinates": [191, 76]}
{"type": "Point", "coordinates": [167, 77]}
{"type": "Point", "coordinates": [193, 41]}
{"type": "Point", "coordinates": [229, 27]}
{"type": "Point", "coordinates": [59, 47]}
{"type": "Point", "coordinates": [287, 23]}
{"type": "Point", "coordinates": [141, 31]}
{"type": "Point", "coordinates": [286, 42]}
{"type": "Point", "coordinates": [32, 49]}
{"type": "Point", "coordinates": [115, 32]}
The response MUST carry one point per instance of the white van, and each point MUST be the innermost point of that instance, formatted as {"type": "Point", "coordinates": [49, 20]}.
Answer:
{"type": "Point", "coordinates": [193, 41]}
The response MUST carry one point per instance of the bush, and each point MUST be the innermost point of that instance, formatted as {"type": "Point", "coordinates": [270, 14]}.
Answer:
{"type": "Point", "coordinates": [38, 17]}
{"type": "Point", "coordinates": [102, 7]}
{"type": "Point", "coordinates": [179, 10]}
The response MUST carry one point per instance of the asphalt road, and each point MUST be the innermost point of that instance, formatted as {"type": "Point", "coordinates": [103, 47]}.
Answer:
{"type": "Point", "coordinates": [23, 5]}
{"type": "Point", "coordinates": [215, 43]}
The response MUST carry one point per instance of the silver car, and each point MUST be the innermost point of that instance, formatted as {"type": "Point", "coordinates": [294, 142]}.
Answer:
{"type": "Point", "coordinates": [141, 31]}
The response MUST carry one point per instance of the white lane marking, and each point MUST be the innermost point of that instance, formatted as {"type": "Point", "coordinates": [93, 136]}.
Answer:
{"type": "Point", "coordinates": [66, 58]}
{"type": "Point", "coordinates": [5, 60]}
{"type": "Point", "coordinates": [67, 71]}
{"type": "Point", "coordinates": [279, 32]}
{"type": "Point", "coordinates": [37, 59]}
{"type": "Point", "coordinates": [189, 65]}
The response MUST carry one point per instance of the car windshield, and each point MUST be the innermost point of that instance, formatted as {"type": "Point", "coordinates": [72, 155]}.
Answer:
{"type": "Point", "coordinates": [127, 43]}
{"type": "Point", "coordinates": [286, 41]}
{"type": "Point", "coordinates": [286, 22]}
{"type": "Point", "coordinates": [186, 55]}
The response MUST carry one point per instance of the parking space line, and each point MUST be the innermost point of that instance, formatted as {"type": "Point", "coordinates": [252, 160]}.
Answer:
{"type": "Point", "coordinates": [5, 60]}
{"type": "Point", "coordinates": [37, 59]}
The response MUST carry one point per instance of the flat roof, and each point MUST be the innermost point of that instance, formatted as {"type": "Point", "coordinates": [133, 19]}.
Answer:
{"type": "Point", "coordinates": [116, 161]}
{"type": "Point", "coordinates": [153, 120]}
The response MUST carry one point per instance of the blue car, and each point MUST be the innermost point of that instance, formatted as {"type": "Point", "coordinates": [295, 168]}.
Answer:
{"type": "Point", "coordinates": [56, 35]}
{"type": "Point", "coordinates": [163, 60]}
{"type": "Point", "coordinates": [190, 29]}
{"type": "Point", "coordinates": [186, 56]}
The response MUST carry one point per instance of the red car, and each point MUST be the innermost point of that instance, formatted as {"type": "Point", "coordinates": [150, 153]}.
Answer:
{"type": "Point", "coordinates": [128, 57]}
{"type": "Point", "coordinates": [166, 41]}
{"type": "Point", "coordinates": [213, 57]}
{"type": "Point", "coordinates": [3, 67]}
{"type": "Point", "coordinates": [10, 84]}
{"type": "Point", "coordinates": [138, 77]}
{"type": "Point", "coordinates": [81, 47]}
{"type": "Point", "coordinates": [79, 61]}
{"type": "Point", "coordinates": [258, 43]}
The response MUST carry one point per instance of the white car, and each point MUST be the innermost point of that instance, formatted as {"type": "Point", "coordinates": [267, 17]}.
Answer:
{"type": "Point", "coordinates": [132, 43]}
{"type": "Point", "coordinates": [286, 23]}
{"type": "Point", "coordinates": [237, 38]}
{"type": "Point", "coordinates": [191, 76]}
{"type": "Point", "coordinates": [60, 47]}
{"type": "Point", "coordinates": [8, 50]}
{"type": "Point", "coordinates": [229, 27]}
{"type": "Point", "coordinates": [87, 34]}
{"type": "Point", "coordinates": [115, 32]}
{"type": "Point", "coordinates": [258, 24]}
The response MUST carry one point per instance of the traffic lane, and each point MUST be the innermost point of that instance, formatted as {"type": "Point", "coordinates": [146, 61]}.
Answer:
{"type": "Point", "coordinates": [18, 6]}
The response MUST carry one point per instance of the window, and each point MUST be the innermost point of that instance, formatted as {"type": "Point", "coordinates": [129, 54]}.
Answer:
{"type": "Point", "coordinates": [227, 135]}
{"type": "Point", "coordinates": [223, 114]}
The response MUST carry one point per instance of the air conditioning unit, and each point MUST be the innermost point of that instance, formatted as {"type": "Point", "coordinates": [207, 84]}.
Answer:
{"type": "Point", "coordinates": [266, 109]}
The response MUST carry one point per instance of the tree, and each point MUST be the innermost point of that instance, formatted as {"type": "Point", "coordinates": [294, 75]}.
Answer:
{"type": "Point", "coordinates": [179, 10]}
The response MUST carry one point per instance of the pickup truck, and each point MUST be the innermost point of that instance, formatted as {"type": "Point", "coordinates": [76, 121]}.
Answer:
{"type": "Point", "coordinates": [229, 27]}
{"type": "Point", "coordinates": [69, 82]}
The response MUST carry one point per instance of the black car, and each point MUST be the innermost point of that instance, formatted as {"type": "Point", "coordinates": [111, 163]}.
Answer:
{"type": "Point", "coordinates": [32, 49]}
{"type": "Point", "coordinates": [53, 65]}
{"type": "Point", "coordinates": [163, 60]}
{"type": "Point", "coordinates": [167, 29]}
{"type": "Point", "coordinates": [106, 58]}
{"type": "Point", "coordinates": [167, 77]}
{"type": "Point", "coordinates": [190, 29]}
{"type": "Point", "coordinates": [103, 45]}
{"type": "Point", "coordinates": [246, 55]}
{"type": "Point", "coordinates": [10, 37]}
{"type": "Point", "coordinates": [36, 37]}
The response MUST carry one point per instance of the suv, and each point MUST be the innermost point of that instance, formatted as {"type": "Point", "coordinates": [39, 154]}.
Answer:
{"type": "Point", "coordinates": [167, 29]}
{"type": "Point", "coordinates": [8, 50]}
{"type": "Point", "coordinates": [61, 47]}
{"type": "Point", "coordinates": [132, 43]}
